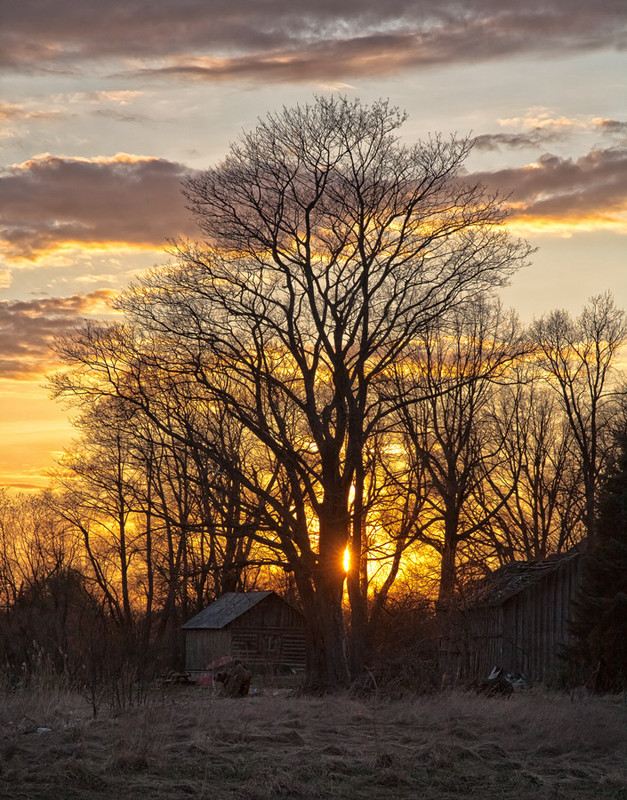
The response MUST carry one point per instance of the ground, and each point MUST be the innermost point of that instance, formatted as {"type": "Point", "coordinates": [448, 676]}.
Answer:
{"type": "Point", "coordinates": [189, 743]}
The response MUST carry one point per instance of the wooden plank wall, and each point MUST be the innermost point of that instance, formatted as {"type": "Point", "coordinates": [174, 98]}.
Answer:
{"type": "Point", "coordinates": [270, 648]}
{"type": "Point", "coordinates": [525, 633]}
{"type": "Point", "coordinates": [270, 635]}
{"type": "Point", "coordinates": [204, 646]}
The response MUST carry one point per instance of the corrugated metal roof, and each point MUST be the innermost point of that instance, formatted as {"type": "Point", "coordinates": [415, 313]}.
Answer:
{"type": "Point", "coordinates": [225, 609]}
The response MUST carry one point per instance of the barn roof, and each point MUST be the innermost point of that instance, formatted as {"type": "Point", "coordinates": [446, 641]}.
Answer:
{"type": "Point", "coordinates": [225, 609]}
{"type": "Point", "coordinates": [510, 579]}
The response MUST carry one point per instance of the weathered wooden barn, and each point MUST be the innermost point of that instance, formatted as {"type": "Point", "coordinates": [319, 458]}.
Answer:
{"type": "Point", "coordinates": [260, 628]}
{"type": "Point", "coordinates": [516, 618]}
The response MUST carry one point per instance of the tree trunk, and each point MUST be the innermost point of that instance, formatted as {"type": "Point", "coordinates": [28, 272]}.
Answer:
{"type": "Point", "coordinates": [321, 593]}
{"type": "Point", "coordinates": [327, 664]}
{"type": "Point", "coordinates": [150, 582]}
{"type": "Point", "coordinates": [590, 488]}
{"type": "Point", "coordinates": [448, 569]}
{"type": "Point", "coordinates": [356, 591]}
{"type": "Point", "coordinates": [381, 596]}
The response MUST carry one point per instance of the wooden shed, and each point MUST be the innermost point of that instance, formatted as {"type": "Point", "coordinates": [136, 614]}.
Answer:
{"type": "Point", "coordinates": [517, 618]}
{"type": "Point", "coordinates": [260, 628]}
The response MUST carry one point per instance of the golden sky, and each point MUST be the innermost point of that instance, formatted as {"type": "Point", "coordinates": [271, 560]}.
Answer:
{"type": "Point", "coordinates": [105, 109]}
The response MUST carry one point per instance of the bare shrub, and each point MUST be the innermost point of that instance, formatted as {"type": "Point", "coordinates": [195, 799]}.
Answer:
{"type": "Point", "coordinates": [404, 652]}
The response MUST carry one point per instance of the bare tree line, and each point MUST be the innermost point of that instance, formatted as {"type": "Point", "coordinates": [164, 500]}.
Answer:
{"type": "Point", "coordinates": [328, 371]}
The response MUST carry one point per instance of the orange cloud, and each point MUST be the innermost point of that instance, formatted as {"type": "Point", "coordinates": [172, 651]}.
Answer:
{"type": "Point", "coordinates": [27, 328]}
{"type": "Point", "coordinates": [51, 205]}
{"type": "Point", "coordinates": [562, 194]}
{"type": "Point", "coordinates": [50, 202]}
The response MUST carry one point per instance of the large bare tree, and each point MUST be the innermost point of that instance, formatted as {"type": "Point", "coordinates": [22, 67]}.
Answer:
{"type": "Point", "coordinates": [328, 247]}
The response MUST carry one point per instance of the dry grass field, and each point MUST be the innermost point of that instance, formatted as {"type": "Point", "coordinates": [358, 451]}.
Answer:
{"type": "Point", "coordinates": [188, 743]}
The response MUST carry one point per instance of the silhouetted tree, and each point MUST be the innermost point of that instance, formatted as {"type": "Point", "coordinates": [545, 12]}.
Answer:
{"type": "Point", "coordinates": [537, 477]}
{"type": "Point", "coordinates": [329, 246]}
{"type": "Point", "coordinates": [458, 370]}
{"type": "Point", "coordinates": [578, 356]}
{"type": "Point", "coordinates": [600, 611]}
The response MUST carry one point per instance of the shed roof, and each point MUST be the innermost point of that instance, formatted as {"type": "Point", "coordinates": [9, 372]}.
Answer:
{"type": "Point", "coordinates": [510, 579]}
{"type": "Point", "coordinates": [225, 609]}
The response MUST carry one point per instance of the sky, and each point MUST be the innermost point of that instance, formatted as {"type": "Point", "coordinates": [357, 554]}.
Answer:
{"type": "Point", "coordinates": [106, 107]}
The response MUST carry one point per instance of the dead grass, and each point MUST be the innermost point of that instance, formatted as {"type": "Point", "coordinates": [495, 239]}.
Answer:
{"type": "Point", "coordinates": [188, 743]}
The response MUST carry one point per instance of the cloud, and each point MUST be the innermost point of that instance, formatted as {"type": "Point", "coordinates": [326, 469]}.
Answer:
{"type": "Point", "coordinates": [543, 119]}
{"type": "Point", "coordinates": [22, 486]}
{"type": "Point", "coordinates": [585, 192]}
{"type": "Point", "coordinates": [494, 141]}
{"type": "Point", "coordinates": [28, 327]}
{"type": "Point", "coordinates": [51, 202]}
{"type": "Point", "coordinates": [540, 126]}
{"type": "Point", "coordinates": [274, 40]}
{"type": "Point", "coordinates": [121, 116]}
{"type": "Point", "coordinates": [612, 126]}
{"type": "Point", "coordinates": [122, 97]}
{"type": "Point", "coordinates": [14, 112]}
{"type": "Point", "coordinates": [116, 105]}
